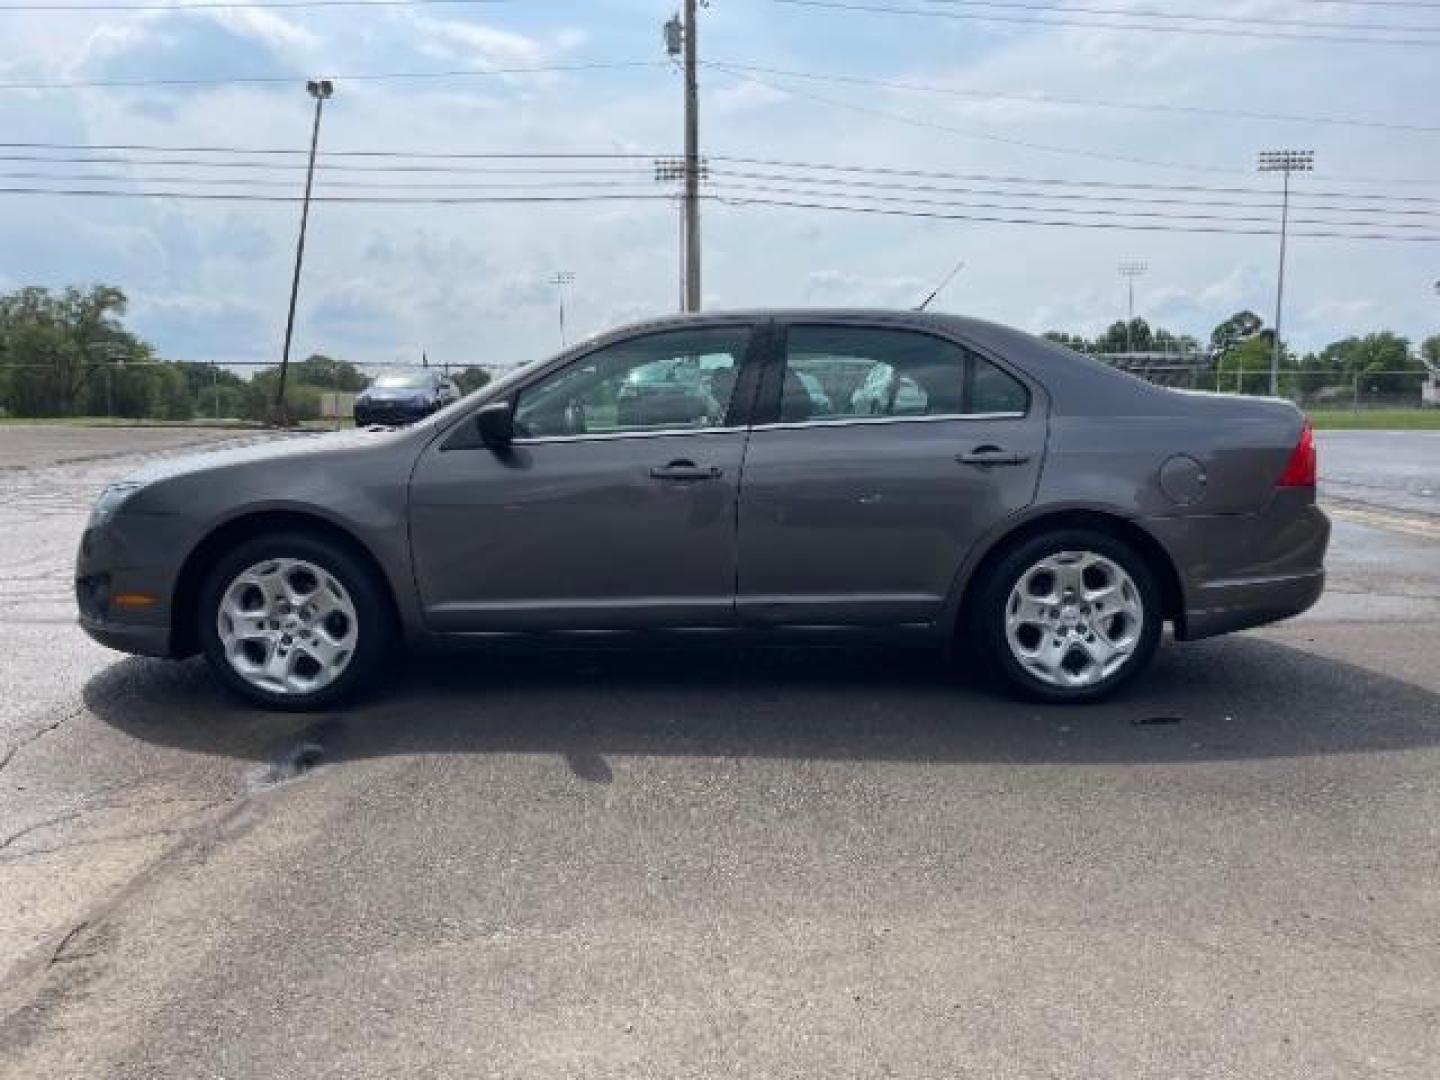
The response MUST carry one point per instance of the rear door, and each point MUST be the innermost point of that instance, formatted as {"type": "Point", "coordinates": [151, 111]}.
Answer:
{"type": "Point", "coordinates": [861, 514]}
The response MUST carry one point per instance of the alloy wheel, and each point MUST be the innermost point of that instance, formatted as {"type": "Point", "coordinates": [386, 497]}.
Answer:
{"type": "Point", "coordinates": [287, 626]}
{"type": "Point", "coordinates": [1074, 618]}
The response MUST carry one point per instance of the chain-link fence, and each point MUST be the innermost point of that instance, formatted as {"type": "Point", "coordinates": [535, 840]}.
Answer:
{"type": "Point", "coordinates": [319, 392]}
{"type": "Point", "coordinates": [1355, 391]}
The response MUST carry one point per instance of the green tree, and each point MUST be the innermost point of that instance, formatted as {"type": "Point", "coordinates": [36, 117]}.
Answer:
{"type": "Point", "coordinates": [1241, 326]}
{"type": "Point", "coordinates": [471, 379]}
{"type": "Point", "coordinates": [60, 351]}
{"type": "Point", "coordinates": [327, 373]}
{"type": "Point", "coordinates": [1430, 351]}
{"type": "Point", "coordinates": [1119, 337]}
{"type": "Point", "coordinates": [1245, 366]}
{"type": "Point", "coordinates": [1382, 362]}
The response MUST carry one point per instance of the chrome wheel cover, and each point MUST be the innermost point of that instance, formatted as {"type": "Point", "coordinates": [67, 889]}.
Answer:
{"type": "Point", "coordinates": [1074, 619]}
{"type": "Point", "coordinates": [287, 626]}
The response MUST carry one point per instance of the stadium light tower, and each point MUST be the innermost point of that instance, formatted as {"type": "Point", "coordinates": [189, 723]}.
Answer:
{"type": "Point", "coordinates": [1284, 162]}
{"type": "Point", "coordinates": [1130, 269]}
{"type": "Point", "coordinates": [320, 90]}
{"type": "Point", "coordinates": [560, 279]}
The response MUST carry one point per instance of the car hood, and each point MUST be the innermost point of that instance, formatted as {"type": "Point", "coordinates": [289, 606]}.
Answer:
{"type": "Point", "coordinates": [265, 448]}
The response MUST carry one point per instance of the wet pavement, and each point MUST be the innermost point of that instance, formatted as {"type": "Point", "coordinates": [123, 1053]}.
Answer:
{"type": "Point", "coordinates": [801, 863]}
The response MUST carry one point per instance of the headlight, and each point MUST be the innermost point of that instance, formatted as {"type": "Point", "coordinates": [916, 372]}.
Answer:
{"type": "Point", "coordinates": [112, 498]}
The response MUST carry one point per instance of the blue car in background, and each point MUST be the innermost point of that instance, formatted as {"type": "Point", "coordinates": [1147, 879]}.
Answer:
{"type": "Point", "coordinates": [400, 398]}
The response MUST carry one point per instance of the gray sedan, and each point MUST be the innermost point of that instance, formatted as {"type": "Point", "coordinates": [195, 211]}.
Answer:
{"type": "Point", "coordinates": [1044, 511]}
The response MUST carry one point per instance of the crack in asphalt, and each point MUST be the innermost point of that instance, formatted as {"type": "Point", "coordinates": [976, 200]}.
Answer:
{"type": "Point", "coordinates": [167, 829]}
{"type": "Point", "coordinates": [37, 735]}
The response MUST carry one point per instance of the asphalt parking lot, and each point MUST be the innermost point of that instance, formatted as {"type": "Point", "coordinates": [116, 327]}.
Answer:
{"type": "Point", "coordinates": [798, 863]}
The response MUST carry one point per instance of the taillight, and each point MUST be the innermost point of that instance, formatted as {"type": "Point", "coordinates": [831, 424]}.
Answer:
{"type": "Point", "coordinates": [1300, 469]}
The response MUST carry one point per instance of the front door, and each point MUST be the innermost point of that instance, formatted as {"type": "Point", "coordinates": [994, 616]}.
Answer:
{"type": "Point", "coordinates": [615, 507]}
{"type": "Point", "coordinates": [885, 455]}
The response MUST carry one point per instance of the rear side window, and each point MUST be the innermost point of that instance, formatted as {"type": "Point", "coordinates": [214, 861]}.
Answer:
{"type": "Point", "coordinates": [851, 372]}
{"type": "Point", "coordinates": [993, 390]}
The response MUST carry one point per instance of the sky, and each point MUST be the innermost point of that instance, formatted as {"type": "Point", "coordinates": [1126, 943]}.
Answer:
{"type": "Point", "coordinates": [470, 283]}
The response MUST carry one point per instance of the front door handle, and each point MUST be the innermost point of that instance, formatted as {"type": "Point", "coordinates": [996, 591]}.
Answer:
{"type": "Point", "coordinates": [686, 470]}
{"type": "Point", "coordinates": [991, 455]}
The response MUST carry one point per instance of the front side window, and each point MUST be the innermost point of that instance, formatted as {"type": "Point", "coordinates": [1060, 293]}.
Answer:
{"type": "Point", "coordinates": [844, 372]}
{"type": "Point", "coordinates": [676, 380]}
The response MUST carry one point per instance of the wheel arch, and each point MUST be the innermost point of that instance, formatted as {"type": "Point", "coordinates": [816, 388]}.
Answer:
{"type": "Point", "coordinates": [184, 638]}
{"type": "Point", "coordinates": [1157, 558]}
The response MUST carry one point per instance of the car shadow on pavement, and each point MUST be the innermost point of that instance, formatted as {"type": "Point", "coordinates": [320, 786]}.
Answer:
{"type": "Point", "coordinates": [1234, 698]}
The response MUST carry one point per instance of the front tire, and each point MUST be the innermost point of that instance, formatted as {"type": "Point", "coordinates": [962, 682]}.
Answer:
{"type": "Point", "coordinates": [1068, 616]}
{"type": "Point", "coordinates": [293, 622]}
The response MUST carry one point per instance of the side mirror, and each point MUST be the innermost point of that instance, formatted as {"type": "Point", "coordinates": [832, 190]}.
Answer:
{"type": "Point", "coordinates": [496, 423]}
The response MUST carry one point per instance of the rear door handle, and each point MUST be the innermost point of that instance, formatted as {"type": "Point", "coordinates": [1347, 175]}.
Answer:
{"type": "Point", "coordinates": [991, 455]}
{"type": "Point", "coordinates": [686, 470]}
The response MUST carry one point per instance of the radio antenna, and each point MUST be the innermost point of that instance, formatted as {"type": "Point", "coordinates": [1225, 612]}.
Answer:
{"type": "Point", "coordinates": [945, 281]}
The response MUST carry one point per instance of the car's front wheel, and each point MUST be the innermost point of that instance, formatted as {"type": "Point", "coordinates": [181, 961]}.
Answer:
{"type": "Point", "coordinates": [1068, 616]}
{"type": "Point", "coordinates": [293, 621]}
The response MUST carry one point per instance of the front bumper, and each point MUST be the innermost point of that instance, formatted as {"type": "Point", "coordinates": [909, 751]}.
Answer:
{"type": "Point", "coordinates": [129, 637]}
{"type": "Point", "coordinates": [390, 413]}
{"type": "Point", "coordinates": [115, 558]}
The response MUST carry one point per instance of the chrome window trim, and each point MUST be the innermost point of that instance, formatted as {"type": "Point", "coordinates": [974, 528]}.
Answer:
{"type": "Point", "coordinates": [599, 436]}
{"type": "Point", "coordinates": [849, 421]}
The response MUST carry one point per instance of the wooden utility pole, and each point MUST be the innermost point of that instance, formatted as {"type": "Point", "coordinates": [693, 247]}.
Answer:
{"type": "Point", "coordinates": [692, 165]}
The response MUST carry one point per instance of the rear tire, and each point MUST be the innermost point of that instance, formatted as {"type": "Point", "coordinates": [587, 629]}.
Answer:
{"type": "Point", "coordinates": [294, 622]}
{"type": "Point", "coordinates": [1067, 616]}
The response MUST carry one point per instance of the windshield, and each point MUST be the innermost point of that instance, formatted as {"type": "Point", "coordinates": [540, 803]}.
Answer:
{"type": "Point", "coordinates": [403, 382]}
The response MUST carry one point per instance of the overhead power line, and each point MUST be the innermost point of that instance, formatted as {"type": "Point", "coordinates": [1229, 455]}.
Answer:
{"type": "Point", "coordinates": [361, 76]}
{"type": "Point", "coordinates": [839, 186]}
{"type": "Point", "coordinates": [1185, 16]}
{"type": "Point", "coordinates": [213, 5]}
{"type": "Point", "coordinates": [1119, 226]}
{"type": "Point", "coordinates": [882, 170]}
{"type": "Point", "coordinates": [800, 199]}
{"type": "Point", "coordinates": [1418, 5]}
{"type": "Point", "coordinates": [1070, 196]}
{"type": "Point", "coordinates": [585, 164]}
{"type": "Point", "coordinates": [1086, 212]}
{"type": "Point", "coordinates": [369, 185]}
{"type": "Point", "coordinates": [180, 187]}
{"type": "Point", "coordinates": [324, 166]}
{"type": "Point", "coordinates": [1089, 103]}
{"type": "Point", "coordinates": [971, 133]}
{"type": "Point", "coordinates": [1029, 144]}
{"type": "Point", "coordinates": [422, 155]}
{"type": "Point", "coordinates": [237, 196]}
{"type": "Point", "coordinates": [1088, 24]}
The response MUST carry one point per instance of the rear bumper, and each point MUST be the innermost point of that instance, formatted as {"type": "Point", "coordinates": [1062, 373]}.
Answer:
{"type": "Point", "coordinates": [1238, 571]}
{"type": "Point", "coordinates": [1223, 606]}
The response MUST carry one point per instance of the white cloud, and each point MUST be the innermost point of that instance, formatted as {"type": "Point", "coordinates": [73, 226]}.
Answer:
{"type": "Point", "coordinates": [741, 96]}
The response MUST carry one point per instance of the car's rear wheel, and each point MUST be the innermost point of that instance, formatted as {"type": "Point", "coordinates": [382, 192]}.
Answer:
{"type": "Point", "coordinates": [1068, 616]}
{"type": "Point", "coordinates": [293, 621]}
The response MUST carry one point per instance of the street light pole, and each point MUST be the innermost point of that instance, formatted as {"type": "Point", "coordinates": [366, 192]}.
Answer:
{"type": "Point", "coordinates": [320, 90]}
{"type": "Point", "coordinates": [1284, 162]}
{"type": "Point", "coordinates": [560, 280]}
{"type": "Point", "coordinates": [1130, 269]}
